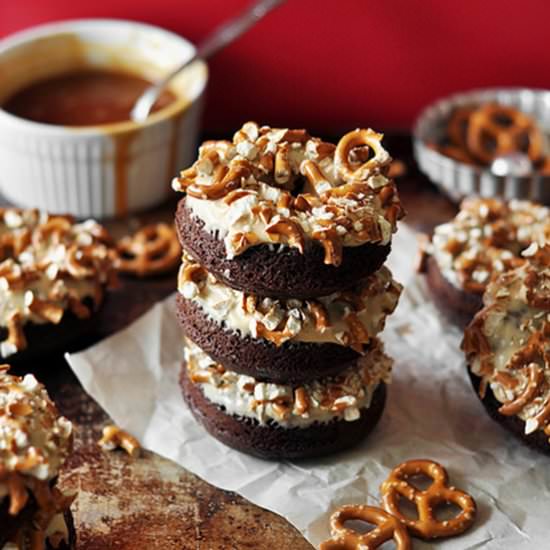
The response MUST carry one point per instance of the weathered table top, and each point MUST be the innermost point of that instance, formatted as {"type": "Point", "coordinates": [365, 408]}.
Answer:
{"type": "Point", "coordinates": [150, 502]}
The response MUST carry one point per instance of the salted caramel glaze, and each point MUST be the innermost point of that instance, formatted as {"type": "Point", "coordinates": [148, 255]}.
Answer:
{"type": "Point", "coordinates": [86, 97]}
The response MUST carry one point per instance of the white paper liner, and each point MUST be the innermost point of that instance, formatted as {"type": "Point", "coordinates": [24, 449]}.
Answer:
{"type": "Point", "coordinates": [431, 412]}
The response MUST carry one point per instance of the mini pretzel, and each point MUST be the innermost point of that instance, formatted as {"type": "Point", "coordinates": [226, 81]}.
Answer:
{"type": "Point", "coordinates": [427, 526]}
{"type": "Point", "coordinates": [387, 528]}
{"type": "Point", "coordinates": [152, 250]}
{"type": "Point", "coordinates": [354, 139]}
{"type": "Point", "coordinates": [535, 380]}
{"type": "Point", "coordinates": [505, 126]}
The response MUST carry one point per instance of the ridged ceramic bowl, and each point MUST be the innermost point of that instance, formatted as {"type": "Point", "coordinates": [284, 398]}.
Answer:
{"type": "Point", "coordinates": [100, 171]}
{"type": "Point", "coordinates": [457, 179]}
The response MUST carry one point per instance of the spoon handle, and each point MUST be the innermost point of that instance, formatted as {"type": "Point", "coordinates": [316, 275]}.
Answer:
{"type": "Point", "coordinates": [213, 43]}
{"type": "Point", "coordinates": [228, 32]}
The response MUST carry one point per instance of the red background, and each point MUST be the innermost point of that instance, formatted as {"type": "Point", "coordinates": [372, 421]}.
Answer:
{"type": "Point", "coordinates": [332, 64]}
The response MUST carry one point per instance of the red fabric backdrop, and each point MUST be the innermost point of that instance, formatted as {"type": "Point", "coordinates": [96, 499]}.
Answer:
{"type": "Point", "coordinates": [339, 63]}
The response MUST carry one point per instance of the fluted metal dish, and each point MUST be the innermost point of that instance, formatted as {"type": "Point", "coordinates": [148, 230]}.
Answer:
{"type": "Point", "coordinates": [457, 179]}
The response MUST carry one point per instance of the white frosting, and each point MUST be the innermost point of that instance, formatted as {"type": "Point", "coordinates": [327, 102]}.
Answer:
{"type": "Point", "coordinates": [488, 237]}
{"type": "Point", "coordinates": [339, 397]}
{"type": "Point", "coordinates": [227, 220]}
{"type": "Point", "coordinates": [374, 299]}
{"type": "Point", "coordinates": [34, 439]}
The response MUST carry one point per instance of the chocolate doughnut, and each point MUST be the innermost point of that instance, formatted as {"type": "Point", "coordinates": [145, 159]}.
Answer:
{"type": "Point", "coordinates": [53, 274]}
{"type": "Point", "coordinates": [457, 305]}
{"type": "Point", "coordinates": [507, 346]}
{"type": "Point", "coordinates": [271, 421]}
{"type": "Point", "coordinates": [288, 341]}
{"type": "Point", "coordinates": [537, 440]}
{"type": "Point", "coordinates": [487, 237]}
{"type": "Point", "coordinates": [278, 213]}
{"type": "Point", "coordinates": [34, 443]}
{"type": "Point", "coordinates": [11, 527]}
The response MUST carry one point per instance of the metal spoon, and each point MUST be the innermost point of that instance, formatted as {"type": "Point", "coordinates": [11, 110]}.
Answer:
{"type": "Point", "coordinates": [214, 42]}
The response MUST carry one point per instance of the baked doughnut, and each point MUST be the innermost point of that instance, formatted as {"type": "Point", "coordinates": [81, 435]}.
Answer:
{"type": "Point", "coordinates": [53, 271]}
{"type": "Point", "coordinates": [34, 443]}
{"type": "Point", "coordinates": [507, 346]}
{"type": "Point", "coordinates": [282, 214]}
{"type": "Point", "coordinates": [289, 341]}
{"type": "Point", "coordinates": [279, 421]}
{"type": "Point", "coordinates": [487, 237]}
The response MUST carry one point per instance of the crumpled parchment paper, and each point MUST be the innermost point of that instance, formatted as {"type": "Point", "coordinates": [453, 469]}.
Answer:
{"type": "Point", "coordinates": [431, 412]}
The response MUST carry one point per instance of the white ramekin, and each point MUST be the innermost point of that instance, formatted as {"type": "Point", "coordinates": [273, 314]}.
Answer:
{"type": "Point", "coordinates": [100, 171]}
{"type": "Point", "coordinates": [457, 179]}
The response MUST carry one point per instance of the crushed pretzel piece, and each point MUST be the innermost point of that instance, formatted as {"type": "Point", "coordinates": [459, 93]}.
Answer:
{"type": "Point", "coordinates": [397, 169]}
{"type": "Point", "coordinates": [114, 438]}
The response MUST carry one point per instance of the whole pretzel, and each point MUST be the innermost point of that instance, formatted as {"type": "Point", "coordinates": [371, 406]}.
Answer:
{"type": "Point", "coordinates": [151, 250]}
{"type": "Point", "coordinates": [427, 526]}
{"type": "Point", "coordinates": [457, 126]}
{"type": "Point", "coordinates": [359, 138]}
{"type": "Point", "coordinates": [484, 123]}
{"type": "Point", "coordinates": [387, 528]}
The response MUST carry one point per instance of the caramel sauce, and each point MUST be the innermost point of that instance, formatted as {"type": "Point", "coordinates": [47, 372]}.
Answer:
{"type": "Point", "coordinates": [87, 97]}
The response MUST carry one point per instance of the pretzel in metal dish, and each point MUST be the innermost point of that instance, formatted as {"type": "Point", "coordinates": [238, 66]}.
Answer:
{"type": "Point", "coordinates": [496, 130]}
{"type": "Point", "coordinates": [387, 528]}
{"type": "Point", "coordinates": [457, 126]}
{"type": "Point", "coordinates": [477, 134]}
{"type": "Point", "coordinates": [152, 250]}
{"type": "Point", "coordinates": [427, 526]}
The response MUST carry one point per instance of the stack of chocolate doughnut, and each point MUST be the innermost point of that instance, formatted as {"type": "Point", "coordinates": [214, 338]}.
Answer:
{"type": "Point", "coordinates": [282, 291]}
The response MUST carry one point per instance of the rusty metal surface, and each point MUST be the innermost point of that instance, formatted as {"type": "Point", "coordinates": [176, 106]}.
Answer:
{"type": "Point", "coordinates": [150, 502]}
